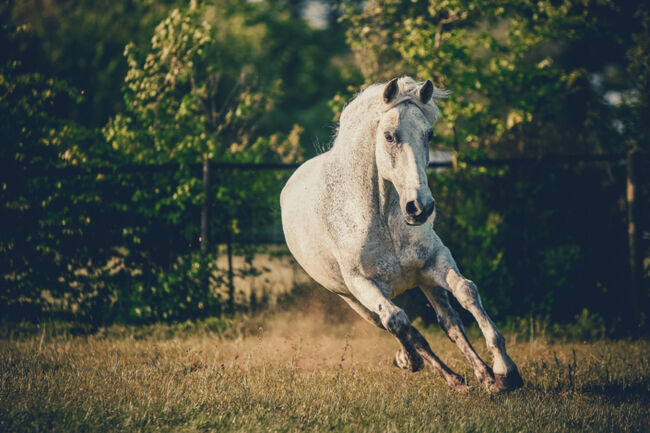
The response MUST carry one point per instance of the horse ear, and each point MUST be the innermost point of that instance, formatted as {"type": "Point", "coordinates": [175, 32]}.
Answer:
{"type": "Point", "coordinates": [426, 91]}
{"type": "Point", "coordinates": [390, 91]}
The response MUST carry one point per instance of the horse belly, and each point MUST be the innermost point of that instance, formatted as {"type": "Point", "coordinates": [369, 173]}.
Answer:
{"type": "Point", "coordinates": [319, 265]}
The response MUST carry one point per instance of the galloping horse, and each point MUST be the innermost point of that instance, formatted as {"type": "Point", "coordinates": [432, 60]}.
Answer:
{"type": "Point", "coordinates": [359, 219]}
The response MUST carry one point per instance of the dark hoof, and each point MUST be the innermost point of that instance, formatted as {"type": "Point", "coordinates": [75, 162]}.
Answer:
{"type": "Point", "coordinates": [508, 383]}
{"type": "Point", "coordinates": [412, 363]}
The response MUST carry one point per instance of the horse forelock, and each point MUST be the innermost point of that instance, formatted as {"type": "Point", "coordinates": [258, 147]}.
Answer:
{"type": "Point", "coordinates": [368, 105]}
{"type": "Point", "coordinates": [408, 93]}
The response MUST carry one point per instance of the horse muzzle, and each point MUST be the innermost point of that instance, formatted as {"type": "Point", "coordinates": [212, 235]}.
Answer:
{"type": "Point", "coordinates": [416, 213]}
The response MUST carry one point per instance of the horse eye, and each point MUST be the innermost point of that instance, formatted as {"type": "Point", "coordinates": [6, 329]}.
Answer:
{"type": "Point", "coordinates": [429, 135]}
{"type": "Point", "coordinates": [389, 137]}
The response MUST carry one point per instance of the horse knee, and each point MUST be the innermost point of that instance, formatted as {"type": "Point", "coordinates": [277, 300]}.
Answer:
{"type": "Point", "coordinates": [397, 323]}
{"type": "Point", "coordinates": [467, 294]}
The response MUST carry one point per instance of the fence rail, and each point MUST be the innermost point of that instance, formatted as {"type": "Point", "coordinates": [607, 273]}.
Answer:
{"type": "Point", "coordinates": [36, 171]}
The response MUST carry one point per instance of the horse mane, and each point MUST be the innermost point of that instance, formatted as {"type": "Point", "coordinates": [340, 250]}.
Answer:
{"type": "Point", "coordinates": [368, 105]}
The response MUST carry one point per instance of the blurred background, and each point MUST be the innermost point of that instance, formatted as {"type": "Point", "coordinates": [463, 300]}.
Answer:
{"type": "Point", "coordinates": [144, 144]}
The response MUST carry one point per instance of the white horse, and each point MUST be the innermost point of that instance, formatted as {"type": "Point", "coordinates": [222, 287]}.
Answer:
{"type": "Point", "coordinates": [359, 219]}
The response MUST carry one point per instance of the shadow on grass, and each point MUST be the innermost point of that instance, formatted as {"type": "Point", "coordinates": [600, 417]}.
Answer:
{"type": "Point", "coordinates": [619, 392]}
{"type": "Point", "coordinates": [615, 392]}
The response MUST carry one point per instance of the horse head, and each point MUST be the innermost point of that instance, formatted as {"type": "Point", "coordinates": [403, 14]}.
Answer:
{"type": "Point", "coordinates": [402, 145]}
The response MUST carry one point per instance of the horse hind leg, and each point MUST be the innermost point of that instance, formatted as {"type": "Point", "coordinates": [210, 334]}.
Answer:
{"type": "Point", "coordinates": [395, 321]}
{"type": "Point", "coordinates": [404, 358]}
{"type": "Point", "coordinates": [451, 323]}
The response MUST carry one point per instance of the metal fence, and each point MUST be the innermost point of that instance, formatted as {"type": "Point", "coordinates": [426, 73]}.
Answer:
{"type": "Point", "coordinates": [269, 231]}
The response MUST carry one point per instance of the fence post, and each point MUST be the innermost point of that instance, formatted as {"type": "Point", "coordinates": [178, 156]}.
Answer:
{"type": "Point", "coordinates": [231, 277]}
{"type": "Point", "coordinates": [204, 238]}
{"type": "Point", "coordinates": [205, 209]}
{"type": "Point", "coordinates": [633, 232]}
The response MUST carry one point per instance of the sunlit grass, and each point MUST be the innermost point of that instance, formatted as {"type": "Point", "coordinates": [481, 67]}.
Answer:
{"type": "Point", "coordinates": [304, 371]}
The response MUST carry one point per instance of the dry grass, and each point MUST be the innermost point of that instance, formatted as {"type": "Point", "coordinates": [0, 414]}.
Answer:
{"type": "Point", "coordinates": [314, 371]}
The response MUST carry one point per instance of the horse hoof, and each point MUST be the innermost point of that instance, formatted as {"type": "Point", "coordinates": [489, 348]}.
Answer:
{"type": "Point", "coordinates": [488, 382]}
{"type": "Point", "coordinates": [486, 378]}
{"type": "Point", "coordinates": [413, 363]}
{"type": "Point", "coordinates": [457, 383]}
{"type": "Point", "coordinates": [461, 388]}
{"type": "Point", "coordinates": [506, 383]}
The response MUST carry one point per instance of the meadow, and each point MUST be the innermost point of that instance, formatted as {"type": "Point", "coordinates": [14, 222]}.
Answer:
{"type": "Point", "coordinates": [312, 367]}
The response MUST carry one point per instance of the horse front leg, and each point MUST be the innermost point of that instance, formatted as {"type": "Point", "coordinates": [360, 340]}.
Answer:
{"type": "Point", "coordinates": [450, 322]}
{"type": "Point", "coordinates": [442, 271]}
{"type": "Point", "coordinates": [395, 321]}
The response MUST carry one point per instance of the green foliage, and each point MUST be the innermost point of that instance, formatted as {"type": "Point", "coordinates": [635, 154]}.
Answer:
{"type": "Point", "coordinates": [585, 326]}
{"type": "Point", "coordinates": [35, 138]}
{"type": "Point", "coordinates": [33, 131]}
{"type": "Point", "coordinates": [111, 247]}
{"type": "Point", "coordinates": [194, 96]}
{"type": "Point", "coordinates": [636, 111]}
{"type": "Point", "coordinates": [81, 43]}
{"type": "Point", "coordinates": [522, 74]}
{"type": "Point", "coordinates": [184, 106]}
{"type": "Point", "coordinates": [531, 238]}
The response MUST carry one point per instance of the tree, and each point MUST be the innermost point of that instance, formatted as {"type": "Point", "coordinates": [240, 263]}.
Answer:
{"type": "Point", "coordinates": [36, 137]}
{"type": "Point", "coordinates": [193, 97]}
{"type": "Point", "coordinates": [81, 43]}
{"type": "Point", "coordinates": [225, 81]}
{"type": "Point", "coordinates": [527, 78]}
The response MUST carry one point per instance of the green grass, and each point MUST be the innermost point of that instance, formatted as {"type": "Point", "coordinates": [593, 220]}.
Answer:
{"type": "Point", "coordinates": [297, 372]}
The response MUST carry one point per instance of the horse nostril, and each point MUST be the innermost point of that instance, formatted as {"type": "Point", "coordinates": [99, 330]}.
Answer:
{"type": "Point", "coordinates": [413, 208]}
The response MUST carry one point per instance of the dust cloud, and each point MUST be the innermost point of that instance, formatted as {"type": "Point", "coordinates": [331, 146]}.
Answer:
{"type": "Point", "coordinates": [316, 330]}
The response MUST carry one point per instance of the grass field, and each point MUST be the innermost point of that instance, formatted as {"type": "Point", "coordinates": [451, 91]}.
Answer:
{"type": "Point", "coordinates": [304, 371]}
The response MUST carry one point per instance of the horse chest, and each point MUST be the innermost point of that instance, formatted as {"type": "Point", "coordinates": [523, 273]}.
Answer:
{"type": "Point", "coordinates": [411, 263]}
{"type": "Point", "coordinates": [411, 249]}
{"type": "Point", "coordinates": [398, 268]}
